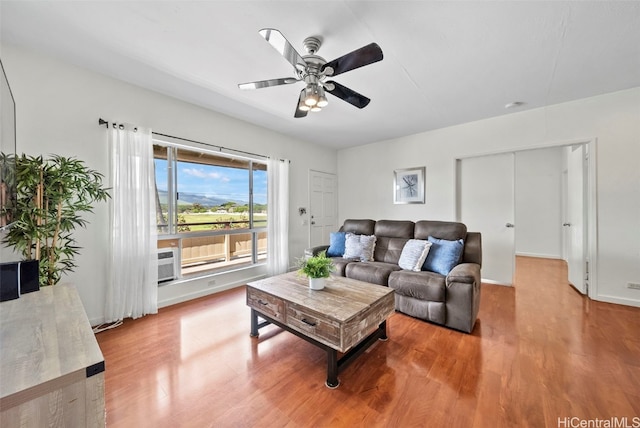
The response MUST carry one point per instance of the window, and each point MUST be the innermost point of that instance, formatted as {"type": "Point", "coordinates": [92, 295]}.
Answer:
{"type": "Point", "coordinates": [212, 206]}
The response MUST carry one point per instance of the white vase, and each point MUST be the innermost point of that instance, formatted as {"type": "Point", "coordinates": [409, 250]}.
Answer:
{"type": "Point", "coordinates": [316, 283]}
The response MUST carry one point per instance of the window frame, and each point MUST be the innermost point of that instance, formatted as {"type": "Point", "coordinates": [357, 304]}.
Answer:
{"type": "Point", "coordinates": [172, 211]}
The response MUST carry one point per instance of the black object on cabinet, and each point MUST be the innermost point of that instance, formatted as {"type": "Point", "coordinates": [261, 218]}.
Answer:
{"type": "Point", "coordinates": [17, 278]}
{"type": "Point", "coordinates": [29, 276]}
{"type": "Point", "coordinates": [9, 273]}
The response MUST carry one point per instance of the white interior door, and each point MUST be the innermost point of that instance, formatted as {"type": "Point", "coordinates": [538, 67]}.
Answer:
{"type": "Point", "coordinates": [322, 207]}
{"type": "Point", "coordinates": [486, 205]}
{"type": "Point", "coordinates": [575, 222]}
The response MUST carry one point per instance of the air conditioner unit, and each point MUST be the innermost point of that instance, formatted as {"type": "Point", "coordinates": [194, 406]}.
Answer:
{"type": "Point", "coordinates": [167, 264]}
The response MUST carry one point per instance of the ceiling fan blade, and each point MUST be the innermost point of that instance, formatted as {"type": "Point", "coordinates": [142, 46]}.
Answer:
{"type": "Point", "coordinates": [282, 45]}
{"type": "Point", "coordinates": [359, 58]}
{"type": "Point", "coordinates": [346, 94]}
{"type": "Point", "coordinates": [300, 113]}
{"type": "Point", "coordinates": [267, 83]}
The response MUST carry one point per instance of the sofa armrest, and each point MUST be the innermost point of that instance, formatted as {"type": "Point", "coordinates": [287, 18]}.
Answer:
{"type": "Point", "coordinates": [314, 251]}
{"type": "Point", "coordinates": [466, 273]}
{"type": "Point", "coordinates": [463, 296]}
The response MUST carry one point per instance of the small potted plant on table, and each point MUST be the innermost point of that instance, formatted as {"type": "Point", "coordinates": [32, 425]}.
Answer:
{"type": "Point", "coordinates": [317, 268]}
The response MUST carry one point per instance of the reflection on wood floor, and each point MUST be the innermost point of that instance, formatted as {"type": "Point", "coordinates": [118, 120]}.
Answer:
{"type": "Point", "coordinates": [540, 353]}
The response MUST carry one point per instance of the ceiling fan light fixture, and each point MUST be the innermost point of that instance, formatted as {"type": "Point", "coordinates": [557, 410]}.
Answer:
{"type": "Point", "coordinates": [322, 99]}
{"type": "Point", "coordinates": [311, 95]}
{"type": "Point", "coordinates": [316, 108]}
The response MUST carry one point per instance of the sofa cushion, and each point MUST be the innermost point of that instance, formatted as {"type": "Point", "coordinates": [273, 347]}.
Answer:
{"type": "Point", "coordinates": [394, 228]}
{"type": "Point", "coordinates": [443, 255]}
{"type": "Point", "coordinates": [420, 285]}
{"type": "Point", "coordinates": [373, 272]}
{"type": "Point", "coordinates": [359, 247]}
{"type": "Point", "coordinates": [359, 227]}
{"type": "Point", "coordinates": [414, 254]}
{"type": "Point", "coordinates": [392, 235]}
{"type": "Point", "coordinates": [423, 309]}
{"type": "Point", "coordinates": [340, 264]}
{"type": "Point", "coordinates": [336, 244]}
{"type": "Point", "coordinates": [440, 229]}
{"type": "Point", "coordinates": [388, 250]}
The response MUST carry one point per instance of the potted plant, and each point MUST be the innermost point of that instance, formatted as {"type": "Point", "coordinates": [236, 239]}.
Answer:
{"type": "Point", "coordinates": [51, 195]}
{"type": "Point", "coordinates": [316, 268]}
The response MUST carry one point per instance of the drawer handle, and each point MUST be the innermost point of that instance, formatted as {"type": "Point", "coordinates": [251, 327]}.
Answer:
{"type": "Point", "coordinates": [262, 303]}
{"type": "Point", "coordinates": [307, 322]}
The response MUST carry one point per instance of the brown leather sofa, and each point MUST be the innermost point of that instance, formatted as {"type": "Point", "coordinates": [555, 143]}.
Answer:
{"type": "Point", "coordinates": [452, 300]}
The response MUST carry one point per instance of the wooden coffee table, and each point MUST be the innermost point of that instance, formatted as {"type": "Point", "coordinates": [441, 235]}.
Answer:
{"type": "Point", "coordinates": [347, 316]}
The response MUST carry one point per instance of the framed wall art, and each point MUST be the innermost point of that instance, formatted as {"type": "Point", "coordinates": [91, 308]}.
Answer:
{"type": "Point", "coordinates": [408, 185]}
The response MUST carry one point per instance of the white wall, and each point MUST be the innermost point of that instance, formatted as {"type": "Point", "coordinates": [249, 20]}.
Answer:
{"type": "Point", "coordinates": [57, 111]}
{"type": "Point", "coordinates": [538, 202]}
{"type": "Point", "coordinates": [366, 173]}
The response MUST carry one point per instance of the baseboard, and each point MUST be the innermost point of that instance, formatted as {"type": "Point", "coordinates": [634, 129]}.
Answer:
{"type": "Point", "coordinates": [492, 282]}
{"type": "Point", "coordinates": [539, 256]}
{"type": "Point", "coordinates": [205, 292]}
{"type": "Point", "coordinates": [617, 300]}
{"type": "Point", "coordinates": [201, 292]}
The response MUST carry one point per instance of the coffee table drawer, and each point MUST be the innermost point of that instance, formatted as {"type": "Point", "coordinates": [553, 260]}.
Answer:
{"type": "Point", "coordinates": [265, 303]}
{"type": "Point", "coordinates": [314, 325]}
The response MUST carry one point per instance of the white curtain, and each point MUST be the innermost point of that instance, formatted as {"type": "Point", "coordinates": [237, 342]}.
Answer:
{"type": "Point", "coordinates": [132, 289]}
{"type": "Point", "coordinates": [277, 216]}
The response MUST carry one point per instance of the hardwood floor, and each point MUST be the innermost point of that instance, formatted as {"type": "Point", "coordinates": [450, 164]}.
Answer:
{"type": "Point", "coordinates": [540, 354]}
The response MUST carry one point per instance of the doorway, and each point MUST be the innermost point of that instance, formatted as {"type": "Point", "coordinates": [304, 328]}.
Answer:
{"type": "Point", "coordinates": [486, 188]}
{"type": "Point", "coordinates": [322, 207]}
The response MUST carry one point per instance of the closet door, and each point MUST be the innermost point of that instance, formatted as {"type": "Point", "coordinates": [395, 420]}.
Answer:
{"type": "Point", "coordinates": [485, 203]}
{"type": "Point", "coordinates": [575, 222]}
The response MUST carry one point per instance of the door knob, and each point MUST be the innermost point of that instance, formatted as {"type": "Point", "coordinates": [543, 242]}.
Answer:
{"type": "Point", "coordinates": [509, 225]}
{"type": "Point", "coordinates": [313, 222]}
{"type": "Point", "coordinates": [566, 224]}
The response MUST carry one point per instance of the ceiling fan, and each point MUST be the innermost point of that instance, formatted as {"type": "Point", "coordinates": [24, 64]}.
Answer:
{"type": "Point", "coordinates": [314, 71]}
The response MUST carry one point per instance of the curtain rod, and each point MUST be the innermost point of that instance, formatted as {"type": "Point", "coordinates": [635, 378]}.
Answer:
{"type": "Point", "coordinates": [101, 122]}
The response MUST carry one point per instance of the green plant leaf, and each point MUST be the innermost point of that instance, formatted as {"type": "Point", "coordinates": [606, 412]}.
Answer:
{"type": "Point", "coordinates": [66, 182]}
{"type": "Point", "coordinates": [319, 266]}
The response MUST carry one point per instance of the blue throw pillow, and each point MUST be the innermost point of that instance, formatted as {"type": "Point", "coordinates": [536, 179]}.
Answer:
{"type": "Point", "coordinates": [443, 255]}
{"type": "Point", "coordinates": [336, 244]}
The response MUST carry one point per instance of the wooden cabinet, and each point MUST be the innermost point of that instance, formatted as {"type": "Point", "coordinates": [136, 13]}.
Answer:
{"type": "Point", "coordinates": [51, 367]}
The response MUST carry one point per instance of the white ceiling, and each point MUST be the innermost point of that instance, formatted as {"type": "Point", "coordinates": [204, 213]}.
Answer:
{"type": "Point", "coordinates": [444, 63]}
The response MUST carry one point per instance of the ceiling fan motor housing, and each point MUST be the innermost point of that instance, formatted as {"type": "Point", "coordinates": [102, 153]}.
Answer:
{"type": "Point", "coordinates": [312, 44]}
{"type": "Point", "coordinates": [313, 73]}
